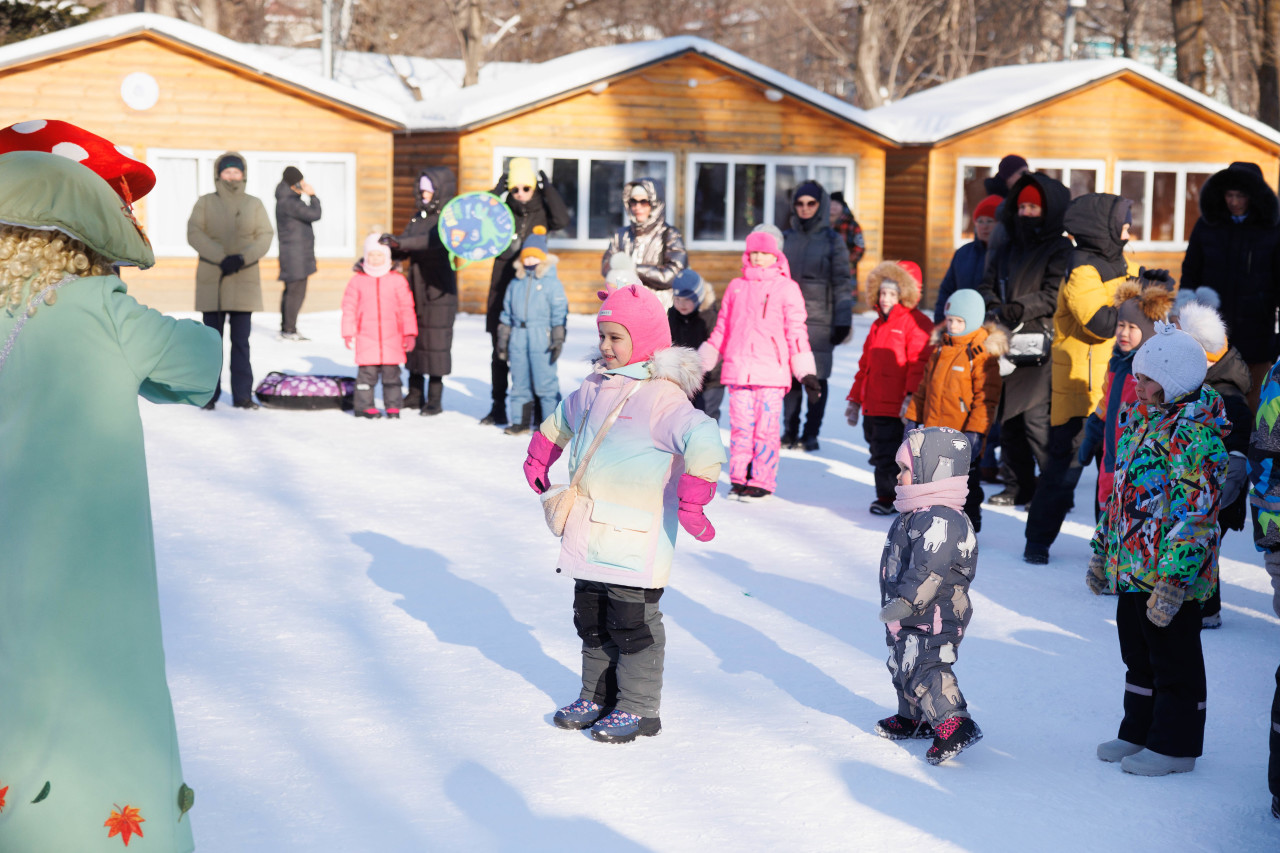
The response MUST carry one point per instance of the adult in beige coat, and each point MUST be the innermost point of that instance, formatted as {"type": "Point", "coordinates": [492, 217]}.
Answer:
{"type": "Point", "coordinates": [230, 231]}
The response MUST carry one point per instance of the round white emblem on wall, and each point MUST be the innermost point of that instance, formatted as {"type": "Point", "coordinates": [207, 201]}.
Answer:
{"type": "Point", "coordinates": [140, 90]}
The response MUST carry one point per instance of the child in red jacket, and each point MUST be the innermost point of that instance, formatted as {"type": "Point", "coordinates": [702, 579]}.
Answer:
{"type": "Point", "coordinates": [893, 360]}
{"type": "Point", "coordinates": [379, 322]}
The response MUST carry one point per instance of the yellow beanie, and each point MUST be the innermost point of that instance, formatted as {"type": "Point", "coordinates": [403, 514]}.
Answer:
{"type": "Point", "coordinates": [520, 173]}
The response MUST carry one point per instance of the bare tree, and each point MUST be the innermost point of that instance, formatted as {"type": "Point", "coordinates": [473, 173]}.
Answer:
{"type": "Point", "coordinates": [1189, 41]}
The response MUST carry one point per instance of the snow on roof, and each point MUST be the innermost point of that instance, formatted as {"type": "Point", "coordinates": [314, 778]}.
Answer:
{"type": "Point", "coordinates": [250, 57]}
{"type": "Point", "coordinates": [394, 77]}
{"type": "Point", "coordinates": [575, 71]}
{"type": "Point", "coordinates": [986, 96]}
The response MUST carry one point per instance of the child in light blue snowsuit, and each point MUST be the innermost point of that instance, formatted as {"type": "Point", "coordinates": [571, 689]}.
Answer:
{"type": "Point", "coordinates": [531, 332]}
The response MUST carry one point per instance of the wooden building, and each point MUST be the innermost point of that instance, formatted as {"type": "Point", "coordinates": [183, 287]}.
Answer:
{"type": "Point", "coordinates": [1106, 125]}
{"type": "Point", "coordinates": [729, 137]}
{"type": "Point", "coordinates": [176, 96]}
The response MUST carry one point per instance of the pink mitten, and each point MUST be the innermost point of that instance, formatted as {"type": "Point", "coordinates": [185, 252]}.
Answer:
{"type": "Point", "coordinates": [349, 340]}
{"type": "Point", "coordinates": [409, 341]}
{"type": "Point", "coordinates": [543, 453]}
{"type": "Point", "coordinates": [695, 493]}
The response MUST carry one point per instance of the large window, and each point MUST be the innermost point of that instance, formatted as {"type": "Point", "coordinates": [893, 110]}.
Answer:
{"type": "Point", "coordinates": [727, 196]}
{"type": "Point", "coordinates": [591, 184]}
{"type": "Point", "coordinates": [1166, 201]}
{"type": "Point", "coordinates": [182, 176]}
{"type": "Point", "coordinates": [1080, 176]}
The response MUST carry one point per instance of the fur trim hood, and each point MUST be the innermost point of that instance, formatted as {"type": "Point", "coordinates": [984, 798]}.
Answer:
{"type": "Point", "coordinates": [908, 290]}
{"type": "Point", "coordinates": [539, 271]}
{"type": "Point", "coordinates": [1205, 325]}
{"type": "Point", "coordinates": [995, 341]}
{"type": "Point", "coordinates": [1264, 208]}
{"type": "Point", "coordinates": [680, 365]}
{"type": "Point", "coordinates": [1155, 300]}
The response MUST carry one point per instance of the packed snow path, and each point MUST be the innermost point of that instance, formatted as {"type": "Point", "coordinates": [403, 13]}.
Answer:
{"type": "Point", "coordinates": [366, 638]}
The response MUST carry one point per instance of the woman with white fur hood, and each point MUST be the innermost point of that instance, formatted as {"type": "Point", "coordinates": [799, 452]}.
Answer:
{"type": "Point", "coordinates": [1196, 313]}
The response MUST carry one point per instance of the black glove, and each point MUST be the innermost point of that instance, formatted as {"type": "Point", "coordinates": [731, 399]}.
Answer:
{"type": "Point", "coordinates": [232, 264]}
{"type": "Point", "coordinates": [1160, 277]}
{"type": "Point", "coordinates": [1010, 315]}
{"type": "Point", "coordinates": [838, 334]}
{"type": "Point", "coordinates": [812, 386]}
{"type": "Point", "coordinates": [557, 343]}
{"type": "Point", "coordinates": [504, 338]}
{"type": "Point", "coordinates": [543, 180]}
{"type": "Point", "coordinates": [501, 186]}
{"type": "Point", "coordinates": [1091, 444]}
{"type": "Point", "coordinates": [389, 240]}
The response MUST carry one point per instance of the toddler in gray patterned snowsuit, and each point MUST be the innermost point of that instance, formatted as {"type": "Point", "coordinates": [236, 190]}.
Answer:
{"type": "Point", "coordinates": [930, 558]}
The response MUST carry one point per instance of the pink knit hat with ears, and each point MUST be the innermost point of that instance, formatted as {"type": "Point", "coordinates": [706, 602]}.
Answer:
{"type": "Point", "coordinates": [636, 309]}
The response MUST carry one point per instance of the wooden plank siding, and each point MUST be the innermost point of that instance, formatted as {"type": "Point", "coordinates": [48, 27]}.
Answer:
{"type": "Point", "coordinates": [906, 213]}
{"type": "Point", "coordinates": [1123, 118]}
{"type": "Point", "coordinates": [655, 109]}
{"type": "Point", "coordinates": [206, 104]}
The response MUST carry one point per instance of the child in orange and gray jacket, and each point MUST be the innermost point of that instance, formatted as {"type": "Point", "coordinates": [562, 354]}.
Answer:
{"type": "Point", "coordinates": [961, 385]}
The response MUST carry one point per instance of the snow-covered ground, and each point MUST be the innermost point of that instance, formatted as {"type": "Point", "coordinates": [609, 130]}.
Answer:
{"type": "Point", "coordinates": [366, 638]}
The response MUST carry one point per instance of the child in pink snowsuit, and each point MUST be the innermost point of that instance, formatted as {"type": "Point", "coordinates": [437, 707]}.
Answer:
{"type": "Point", "coordinates": [379, 322]}
{"type": "Point", "coordinates": [762, 335]}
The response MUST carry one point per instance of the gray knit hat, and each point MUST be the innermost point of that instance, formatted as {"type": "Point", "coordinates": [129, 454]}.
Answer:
{"type": "Point", "coordinates": [1174, 359]}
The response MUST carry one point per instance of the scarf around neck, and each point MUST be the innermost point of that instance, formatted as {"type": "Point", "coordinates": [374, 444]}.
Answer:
{"type": "Point", "coordinates": [949, 491]}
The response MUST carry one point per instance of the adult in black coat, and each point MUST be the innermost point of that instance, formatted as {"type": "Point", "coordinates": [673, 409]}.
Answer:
{"type": "Point", "coordinates": [297, 207]}
{"type": "Point", "coordinates": [1234, 249]}
{"type": "Point", "coordinates": [819, 261]}
{"type": "Point", "coordinates": [1020, 287]}
{"type": "Point", "coordinates": [435, 289]}
{"type": "Point", "coordinates": [533, 202]}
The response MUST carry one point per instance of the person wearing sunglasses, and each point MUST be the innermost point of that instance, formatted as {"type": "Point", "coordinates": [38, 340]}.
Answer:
{"type": "Point", "coordinates": [819, 260]}
{"type": "Point", "coordinates": [534, 203]}
{"type": "Point", "coordinates": [656, 246]}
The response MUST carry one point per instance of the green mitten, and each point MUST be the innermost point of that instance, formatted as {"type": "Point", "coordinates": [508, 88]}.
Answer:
{"type": "Point", "coordinates": [1096, 577]}
{"type": "Point", "coordinates": [896, 610]}
{"type": "Point", "coordinates": [1164, 603]}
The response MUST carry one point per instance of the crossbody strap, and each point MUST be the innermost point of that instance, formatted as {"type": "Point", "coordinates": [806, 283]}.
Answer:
{"type": "Point", "coordinates": [22, 321]}
{"type": "Point", "coordinates": [604, 428]}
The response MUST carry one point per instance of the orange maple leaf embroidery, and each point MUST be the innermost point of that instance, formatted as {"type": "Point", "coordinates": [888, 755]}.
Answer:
{"type": "Point", "coordinates": [3, 791]}
{"type": "Point", "coordinates": [125, 823]}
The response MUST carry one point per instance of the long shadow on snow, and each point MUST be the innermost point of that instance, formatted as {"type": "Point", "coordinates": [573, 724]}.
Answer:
{"type": "Point", "coordinates": [741, 648]}
{"type": "Point", "coordinates": [498, 810]}
{"type": "Point", "coordinates": [460, 611]}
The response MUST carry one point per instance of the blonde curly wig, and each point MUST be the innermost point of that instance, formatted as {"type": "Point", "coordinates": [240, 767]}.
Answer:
{"type": "Point", "coordinates": [31, 260]}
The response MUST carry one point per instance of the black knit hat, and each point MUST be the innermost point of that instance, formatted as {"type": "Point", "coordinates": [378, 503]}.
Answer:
{"type": "Point", "coordinates": [292, 175]}
{"type": "Point", "coordinates": [812, 189]}
{"type": "Point", "coordinates": [230, 161]}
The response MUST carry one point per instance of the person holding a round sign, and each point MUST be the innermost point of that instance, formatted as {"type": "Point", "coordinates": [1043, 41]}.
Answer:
{"type": "Point", "coordinates": [656, 247]}
{"type": "Point", "coordinates": [435, 289]}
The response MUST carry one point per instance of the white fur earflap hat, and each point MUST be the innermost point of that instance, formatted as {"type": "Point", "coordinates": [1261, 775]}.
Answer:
{"type": "Point", "coordinates": [1174, 359]}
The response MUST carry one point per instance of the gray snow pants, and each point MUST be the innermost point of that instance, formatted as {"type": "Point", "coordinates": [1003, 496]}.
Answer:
{"type": "Point", "coordinates": [392, 391]}
{"type": "Point", "coordinates": [920, 659]}
{"type": "Point", "coordinates": [623, 645]}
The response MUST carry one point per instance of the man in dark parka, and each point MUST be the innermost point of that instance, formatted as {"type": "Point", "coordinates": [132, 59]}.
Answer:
{"type": "Point", "coordinates": [297, 207]}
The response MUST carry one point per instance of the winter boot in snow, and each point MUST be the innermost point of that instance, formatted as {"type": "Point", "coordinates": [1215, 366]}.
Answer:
{"type": "Point", "coordinates": [1148, 763]}
{"type": "Point", "coordinates": [1114, 750]}
{"type": "Point", "coordinates": [371, 414]}
{"type": "Point", "coordinates": [526, 416]}
{"type": "Point", "coordinates": [497, 415]}
{"type": "Point", "coordinates": [413, 400]}
{"type": "Point", "coordinates": [899, 727]}
{"type": "Point", "coordinates": [882, 506]}
{"type": "Point", "coordinates": [952, 736]}
{"type": "Point", "coordinates": [621, 727]}
{"type": "Point", "coordinates": [435, 388]}
{"type": "Point", "coordinates": [736, 490]}
{"type": "Point", "coordinates": [1275, 806]}
{"type": "Point", "coordinates": [393, 414]}
{"type": "Point", "coordinates": [754, 493]}
{"type": "Point", "coordinates": [580, 715]}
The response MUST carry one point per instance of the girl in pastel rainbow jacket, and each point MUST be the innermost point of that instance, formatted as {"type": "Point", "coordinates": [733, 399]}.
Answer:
{"type": "Point", "coordinates": [379, 323]}
{"type": "Point", "coordinates": [656, 465]}
{"type": "Point", "coordinates": [762, 335]}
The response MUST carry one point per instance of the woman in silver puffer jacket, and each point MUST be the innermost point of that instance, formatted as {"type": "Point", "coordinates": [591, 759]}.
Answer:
{"type": "Point", "coordinates": [656, 247]}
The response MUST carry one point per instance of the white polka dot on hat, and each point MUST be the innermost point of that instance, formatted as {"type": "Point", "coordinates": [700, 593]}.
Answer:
{"type": "Point", "coordinates": [1174, 359]}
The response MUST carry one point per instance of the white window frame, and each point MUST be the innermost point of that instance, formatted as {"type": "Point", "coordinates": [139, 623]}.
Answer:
{"type": "Point", "coordinates": [542, 158]}
{"type": "Point", "coordinates": [1180, 225]}
{"type": "Point", "coordinates": [204, 175]}
{"type": "Point", "coordinates": [1098, 167]}
{"type": "Point", "coordinates": [770, 162]}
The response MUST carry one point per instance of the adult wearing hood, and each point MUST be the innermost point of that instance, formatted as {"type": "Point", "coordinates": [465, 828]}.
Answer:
{"type": "Point", "coordinates": [819, 261]}
{"type": "Point", "coordinates": [656, 247]}
{"type": "Point", "coordinates": [534, 201]}
{"type": "Point", "coordinates": [1084, 327]}
{"type": "Point", "coordinates": [297, 208]}
{"type": "Point", "coordinates": [90, 749]}
{"type": "Point", "coordinates": [230, 231]}
{"type": "Point", "coordinates": [1233, 249]}
{"type": "Point", "coordinates": [1020, 287]}
{"type": "Point", "coordinates": [435, 289]}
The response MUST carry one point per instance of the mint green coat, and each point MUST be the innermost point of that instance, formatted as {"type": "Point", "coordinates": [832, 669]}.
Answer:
{"type": "Point", "coordinates": [84, 705]}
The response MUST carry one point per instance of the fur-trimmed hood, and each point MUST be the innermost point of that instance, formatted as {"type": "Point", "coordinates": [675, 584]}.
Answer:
{"type": "Point", "coordinates": [908, 288]}
{"type": "Point", "coordinates": [994, 341]}
{"type": "Point", "coordinates": [680, 365]}
{"type": "Point", "coordinates": [1264, 208]}
{"type": "Point", "coordinates": [539, 271]}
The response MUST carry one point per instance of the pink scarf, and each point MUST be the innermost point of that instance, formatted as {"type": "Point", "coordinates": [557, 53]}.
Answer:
{"type": "Point", "coordinates": [949, 491]}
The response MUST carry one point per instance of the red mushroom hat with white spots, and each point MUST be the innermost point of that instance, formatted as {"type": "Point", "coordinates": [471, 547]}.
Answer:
{"type": "Point", "coordinates": [130, 178]}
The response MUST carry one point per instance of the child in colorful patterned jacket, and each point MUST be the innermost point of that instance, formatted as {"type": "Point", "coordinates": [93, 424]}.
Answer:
{"type": "Point", "coordinates": [1157, 546]}
{"type": "Point", "coordinates": [930, 558]}
{"type": "Point", "coordinates": [657, 464]}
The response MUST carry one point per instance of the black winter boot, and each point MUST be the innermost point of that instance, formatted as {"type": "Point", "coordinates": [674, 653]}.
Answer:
{"type": "Point", "coordinates": [435, 387]}
{"type": "Point", "coordinates": [497, 415]}
{"type": "Point", "coordinates": [526, 416]}
{"type": "Point", "coordinates": [899, 727]}
{"type": "Point", "coordinates": [413, 400]}
{"type": "Point", "coordinates": [952, 736]}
